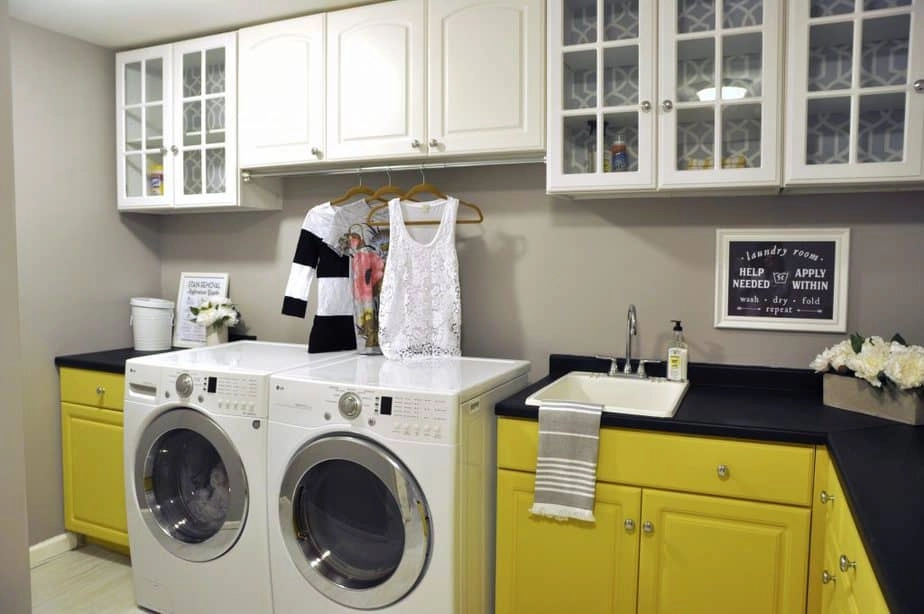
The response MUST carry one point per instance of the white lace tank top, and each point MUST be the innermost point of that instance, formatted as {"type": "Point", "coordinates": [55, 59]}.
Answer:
{"type": "Point", "coordinates": [420, 309]}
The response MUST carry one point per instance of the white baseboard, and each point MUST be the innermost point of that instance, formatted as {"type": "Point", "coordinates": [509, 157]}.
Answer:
{"type": "Point", "coordinates": [52, 547]}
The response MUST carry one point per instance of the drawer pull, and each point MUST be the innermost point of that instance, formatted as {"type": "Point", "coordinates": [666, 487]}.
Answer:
{"type": "Point", "coordinates": [100, 390]}
{"type": "Point", "coordinates": [629, 524]}
{"type": "Point", "coordinates": [648, 526]}
{"type": "Point", "coordinates": [722, 471]}
{"type": "Point", "coordinates": [844, 563]}
{"type": "Point", "coordinates": [827, 578]}
{"type": "Point", "coordinates": [825, 497]}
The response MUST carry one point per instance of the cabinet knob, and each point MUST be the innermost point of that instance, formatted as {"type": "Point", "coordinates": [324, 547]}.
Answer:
{"type": "Point", "coordinates": [827, 578]}
{"type": "Point", "coordinates": [844, 563]}
{"type": "Point", "coordinates": [648, 526]}
{"type": "Point", "coordinates": [667, 105]}
{"type": "Point", "coordinates": [646, 105]}
{"type": "Point", "coordinates": [825, 497]}
{"type": "Point", "coordinates": [315, 152]}
{"type": "Point", "coordinates": [100, 390]}
{"type": "Point", "coordinates": [174, 150]}
{"type": "Point", "coordinates": [415, 144]}
{"type": "Point", "coordinates": [919, 86]}
{"type": "Point", "coordinates": [629, 524]}
{"type": "Point", "coordinates": [722, 471]}
{"type": "Point", "coordinates": [245, 176]}
{"type": "Point", "coordinates": [434, 143]}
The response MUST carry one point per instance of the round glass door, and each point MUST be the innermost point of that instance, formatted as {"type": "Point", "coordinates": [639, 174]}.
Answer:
{"type": "Point", "coordinates": [355, 521]}
{"type": "Point", "coordinates": [190, 485]}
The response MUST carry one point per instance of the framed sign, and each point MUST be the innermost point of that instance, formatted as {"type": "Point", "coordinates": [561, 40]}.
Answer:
{"type": "Point", "coordinates": [195, 288]}
{"type": "Point", "coordinates": [782, 279]}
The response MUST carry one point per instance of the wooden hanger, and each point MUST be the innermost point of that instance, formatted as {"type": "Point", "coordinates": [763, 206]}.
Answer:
{"type": "Point", "coordinates": [357, 190]}
{"type": "Point", "coordinates": [425, 188]}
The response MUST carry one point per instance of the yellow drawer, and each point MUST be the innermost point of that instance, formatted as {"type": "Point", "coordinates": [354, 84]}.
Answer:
{"type": "Point", "coordinates": [859, 571]}
{"type": "Point", "coordinates": [93, 388]}
{"type": "Point", "coordinates": [781, 473]}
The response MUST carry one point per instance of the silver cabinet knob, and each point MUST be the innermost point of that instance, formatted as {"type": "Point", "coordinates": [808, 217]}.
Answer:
{"type": "Point", "coordinates": [844, 563]}
{"type": "Point", "coordinates": [648, 526]}
{"type": "Point", "coordinates": [434, 143]}
{"type": "Point", "coordinates": [100, 390]}
{"type": "Point", "coordinates": [667, 105]}
{"type": "Point", "coordinates": [629, 524]}
{"type": "Point", "coordinates": [825, 497]}
{"type": "Point", "coordinates": [415, 144]}
{"type": "Point", "coordinates": [315, 152]}
{"type": "Point", "coordinates": [919, 86]}
{"type": "Point", "coordinates": [722, 471]}
{"type": "Point", "coordinates": [646, 106]}
{"type": "Point", "coordinates": [827, 578]}
{"type": "Point", "coordinates": [174, 149]}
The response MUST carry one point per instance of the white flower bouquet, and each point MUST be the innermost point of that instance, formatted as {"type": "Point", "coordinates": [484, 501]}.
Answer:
{"type": "Point", "coordinates": [216, 311]}
{"type": "Point", "coordinates": [875, 360]}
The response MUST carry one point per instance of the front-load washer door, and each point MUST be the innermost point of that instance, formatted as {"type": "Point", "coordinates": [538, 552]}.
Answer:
{"type": "Point", "coordinates": [190, 485]}
{"type": "Point", "coordinates": [355, 521]}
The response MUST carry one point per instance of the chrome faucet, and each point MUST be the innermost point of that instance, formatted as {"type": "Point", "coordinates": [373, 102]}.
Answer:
{"type": "Point", "coordinates": [631, 329]}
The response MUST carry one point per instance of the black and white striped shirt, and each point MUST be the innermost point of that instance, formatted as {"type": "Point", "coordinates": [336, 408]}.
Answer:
{"type": "Point", "coordinates": [333, 328]}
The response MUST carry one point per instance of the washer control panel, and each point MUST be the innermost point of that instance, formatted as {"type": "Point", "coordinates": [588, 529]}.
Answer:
{"type": "Point", "coordinates": [418, 417]}
{"type": "Point", "coordinates": [219, 393]}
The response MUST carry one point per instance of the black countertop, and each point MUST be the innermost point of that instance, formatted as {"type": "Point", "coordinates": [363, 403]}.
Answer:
{"type": "Point", "coordinates": [110, 361]}
{"type": "Point", "coordinates": [880, 462]}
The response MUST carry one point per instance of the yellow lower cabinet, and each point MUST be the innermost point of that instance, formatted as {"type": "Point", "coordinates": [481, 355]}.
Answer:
{"type": "Point", "coordinates": [549, 567]}
{"type": "Point", "coordinates": [712, 555]}
{"type": "Point", "coordinates": [94, 492]}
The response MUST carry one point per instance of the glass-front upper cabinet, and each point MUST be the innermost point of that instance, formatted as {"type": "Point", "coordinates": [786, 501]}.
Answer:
{"type": "Point", "coordinates": [719, 93]}
{"type": "Point", "coordinates": [143, 115]}
{"type": "Point", "coordinates": [856, 91]}
{"type": "Point", "coordinates": [176, 121]}
{"type": "Point", "coordinates": [601, 104]}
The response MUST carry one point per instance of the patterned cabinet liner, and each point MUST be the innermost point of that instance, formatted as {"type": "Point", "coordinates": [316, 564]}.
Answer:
{"type": "Point", "coordinates": [214, 126]}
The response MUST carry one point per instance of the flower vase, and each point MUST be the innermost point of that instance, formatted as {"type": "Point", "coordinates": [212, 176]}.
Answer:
{"type": "Point", "coordinates": [855, 394]}
{"type": "Point", "coordinates": [216, 334]}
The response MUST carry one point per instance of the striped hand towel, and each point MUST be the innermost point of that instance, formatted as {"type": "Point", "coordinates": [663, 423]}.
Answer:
{"type": "Point", "coordinates": [566, 471]}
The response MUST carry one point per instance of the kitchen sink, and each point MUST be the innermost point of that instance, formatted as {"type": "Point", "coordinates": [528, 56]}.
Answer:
{"type": "Point", "coordinates": [654, 396]}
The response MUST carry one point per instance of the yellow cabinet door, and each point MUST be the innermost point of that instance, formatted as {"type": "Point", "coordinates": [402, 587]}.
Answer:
{"type": "Point", "coordinates": [546, 566]}
{"type": "Point", "coordinates": [708, 555]}
{"type": "Point", "coordinates": [94, 492]}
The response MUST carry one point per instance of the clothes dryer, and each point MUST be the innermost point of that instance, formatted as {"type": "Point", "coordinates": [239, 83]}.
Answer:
{"type": "Point", "coordinates": [382, 478]}
{"type": "Point", "coordinates": [195, 474]}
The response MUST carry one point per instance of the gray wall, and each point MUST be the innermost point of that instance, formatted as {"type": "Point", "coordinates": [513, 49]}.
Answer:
{"type": "Point", "coordinates": [80, 261]}
{"type": "Point", "coordinates": [14, 559]}
{"type": "Point", "coordinates": [544, 275]}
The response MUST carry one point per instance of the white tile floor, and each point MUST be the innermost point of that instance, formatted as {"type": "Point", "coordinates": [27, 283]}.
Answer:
{"type": "Point", "coordinates": [87, 580]}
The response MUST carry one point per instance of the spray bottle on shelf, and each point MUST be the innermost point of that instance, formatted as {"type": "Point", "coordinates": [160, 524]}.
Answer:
{"type": "Point", "coordinates": [677, 355]}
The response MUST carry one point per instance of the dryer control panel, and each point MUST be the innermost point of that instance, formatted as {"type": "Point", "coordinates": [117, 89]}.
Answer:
{"type": "Point", "coordinates": [416, 417]}
{"type": "Point", "coordinates": [217, 393]}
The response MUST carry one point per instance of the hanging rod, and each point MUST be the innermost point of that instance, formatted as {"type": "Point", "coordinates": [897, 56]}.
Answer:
{"type": "Point", "coordinates": [248, 174]}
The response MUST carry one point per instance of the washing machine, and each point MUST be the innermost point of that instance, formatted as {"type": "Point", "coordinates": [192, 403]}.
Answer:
{"type": "Point", "coordinates": [195, 438]}
{"type": "Point", "coordinates": [382, 485]}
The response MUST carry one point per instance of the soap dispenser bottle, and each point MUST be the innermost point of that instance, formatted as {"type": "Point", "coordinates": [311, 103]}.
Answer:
{"type": "Point", "coordinates": [677, 355]}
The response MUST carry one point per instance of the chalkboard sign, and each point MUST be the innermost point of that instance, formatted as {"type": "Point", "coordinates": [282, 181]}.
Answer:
{"type": "Point", "coordinates": [782, 279]}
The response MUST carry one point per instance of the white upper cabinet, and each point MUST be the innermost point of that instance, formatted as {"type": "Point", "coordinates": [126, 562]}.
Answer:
{"type": "Point", "coordinates": [855, 92]}
{"type": "Point", "coordinates": [375, 81]}
{"type": "Point", "coordinates": [676, 94]}
{"type": "Point", "coordinates": [281, 92]}
{"type": "Point", "coordinates": [486, 76]}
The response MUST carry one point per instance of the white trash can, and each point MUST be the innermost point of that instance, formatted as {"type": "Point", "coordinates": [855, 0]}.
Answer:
{"type": "Point", "coordinates": [152, 323]}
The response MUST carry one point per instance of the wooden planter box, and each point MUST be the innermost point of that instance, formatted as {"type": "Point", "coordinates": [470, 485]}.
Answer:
{"type": "Point", "coordinates": [855, 394]}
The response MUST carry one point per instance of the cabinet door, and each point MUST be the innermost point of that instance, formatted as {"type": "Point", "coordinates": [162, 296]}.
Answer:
{"type": "Point", "coordinates": [719, 93]}
{"type": "Point", "coordinates": [855, 91]}
{"type": "Point", "coordinates": [94, 491]}
{"type": "Point", "coordinates": [546, 566]}
{"type": "Point", "coordinates": [601, 92]}
{"type": "Point", "coordinates": [281, 85]}
{"type": "Point", "coordinates": [205, 94]}
{"type": "Point", "coordinates": [375, 81]}
{"type": "Point", "coordinates": [143, 127]}
{"type": "Point", "coordinates": [486, 91]}
{"type": "Point", "coordinates": [716, 556]}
